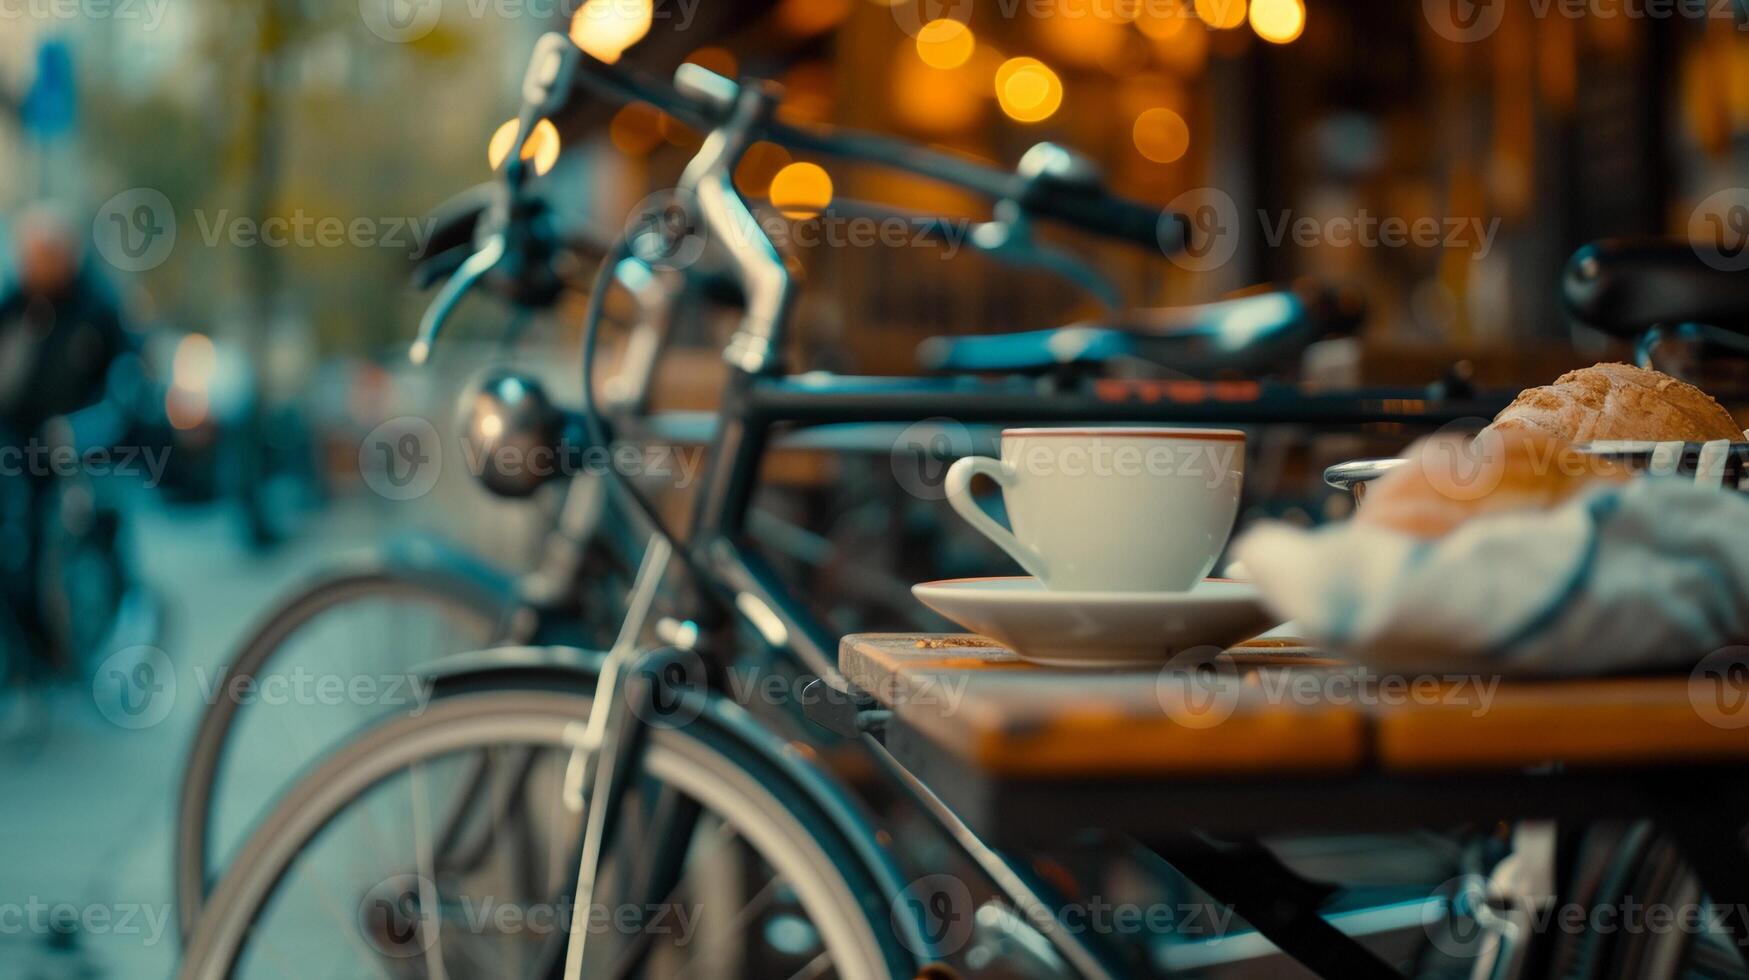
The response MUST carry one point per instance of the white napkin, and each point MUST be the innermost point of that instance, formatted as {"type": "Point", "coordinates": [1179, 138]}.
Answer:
{"type": "Point", "coordinates": [1654, 572]}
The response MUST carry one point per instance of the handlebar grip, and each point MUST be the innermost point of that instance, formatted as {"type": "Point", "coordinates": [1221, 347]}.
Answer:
{"type": "Point", "coordinates": [1626, 286]}
{"type": "Point", "coordinates": [1092, 210]}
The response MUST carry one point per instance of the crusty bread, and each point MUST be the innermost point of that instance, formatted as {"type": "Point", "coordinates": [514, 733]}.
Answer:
{"type": "Point", "coordinates": [1618, 401]}
{"type": "Point", "coordinates": [1451, 479]}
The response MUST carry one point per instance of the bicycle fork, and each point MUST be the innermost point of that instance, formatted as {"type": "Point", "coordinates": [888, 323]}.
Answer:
{"type": "Point", "coordinates": [611, 744]}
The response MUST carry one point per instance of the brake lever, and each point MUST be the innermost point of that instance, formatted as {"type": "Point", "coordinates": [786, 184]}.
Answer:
{"type": "Point", "coordinates": [552, 70]}
{"type": "Point", "coordinates": [450, 296]}
{"type": "Point", "coordinates": [1008, 238]}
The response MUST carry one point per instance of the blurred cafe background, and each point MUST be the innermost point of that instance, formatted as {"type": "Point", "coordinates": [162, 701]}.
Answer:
{"type": "Point", "coordinates": [235, 191]}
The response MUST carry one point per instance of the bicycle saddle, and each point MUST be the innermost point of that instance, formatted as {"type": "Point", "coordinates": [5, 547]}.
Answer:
{"type": "Point", "coordinates": [1248, 333]}
{"type": "Point", "coordinates": [1626, 286]}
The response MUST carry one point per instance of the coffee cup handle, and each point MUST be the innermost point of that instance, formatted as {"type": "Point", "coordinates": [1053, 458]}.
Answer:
{"type": "Point", "coordinates": [959, 494]}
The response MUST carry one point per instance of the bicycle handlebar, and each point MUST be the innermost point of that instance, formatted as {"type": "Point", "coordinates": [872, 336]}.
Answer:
{"type": "Point", "coordinates": [702, 100]}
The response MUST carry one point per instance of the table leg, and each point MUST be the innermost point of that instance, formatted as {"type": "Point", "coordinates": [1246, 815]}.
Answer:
{"type": "Point", "coordinates": [1277, 902]}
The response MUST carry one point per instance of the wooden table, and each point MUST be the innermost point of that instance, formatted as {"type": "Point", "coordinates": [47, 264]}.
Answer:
{"type": "Point", "coordinates": [1292, 741]}
{"type": "Point", "coordinates": [1275, 738]}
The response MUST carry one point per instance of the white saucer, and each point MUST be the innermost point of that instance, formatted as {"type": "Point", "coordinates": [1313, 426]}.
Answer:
{"type": "Point", "coordinates": [1098, 629]}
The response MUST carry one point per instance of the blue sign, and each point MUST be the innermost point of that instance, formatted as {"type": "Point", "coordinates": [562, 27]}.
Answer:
{"type": "Point", "coordinates": [51, 107]}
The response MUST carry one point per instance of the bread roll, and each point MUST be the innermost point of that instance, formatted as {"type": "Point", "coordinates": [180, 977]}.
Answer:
{"type": "Point", "coordinates": [1618, 401]}
{"type": "Point", "coordinates": [1451, 479]}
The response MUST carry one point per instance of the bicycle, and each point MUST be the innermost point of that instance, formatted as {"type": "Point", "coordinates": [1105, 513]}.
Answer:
{"type": "Point", "coordinates": [623, 755]}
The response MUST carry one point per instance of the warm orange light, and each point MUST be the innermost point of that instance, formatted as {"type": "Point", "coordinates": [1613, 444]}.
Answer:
{"type": "Point", "coordinates": [808, 17]}
{"type": "Point", "coordinates": [606, 28]}
{"type": "Point", "coordinates": [759, 165]}
{"type": "Point", "coordinates": [1028, 90]}
{"type": "Point", "coordinates": [945, 43]}
{"type": "Point", "coordinates": [1087, 40]}
{"type": "Point", "coordinates": [185, 409]}
{"type": "Point", "coordinates": [1278, 21]}
{"type": "Point", "coordinates": [1161, 135]}
{"type": "Point", "coordinates": [542, 145]}
{"type": "Point", "coordinates": [801, 190]}
{"type": "Point", "coordinates": [1184, 53]}
{"type": "Point", "coordinates": [719, 60]}
{"type": "Point", "coordinates": [636, 129]}
{"type": "Point", "coordinates": [1162, 22]}
{"type": "Point", "coordinates": [936, 100]}
{"type": "Point", "coordinates": [1221, 14]}
{"type": "Point", "coordinates": [194, 362]}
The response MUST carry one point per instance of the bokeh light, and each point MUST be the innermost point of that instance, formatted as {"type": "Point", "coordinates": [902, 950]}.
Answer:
{"type": "Point", "coordinates": [541, 147]}
{"type": "Point", "coordinates": [719, 60]}
{"type": "Point", "coordinates": [636, 129]}
{"type": "Point", "coordinates": [761, 164]}
{"type": "Point", "coordinates": [1278, 21]}
{"type": "Point", "coordinates": [606, 28]}
{"type": "Point", "coordinates": [801, 190]}
{"type": "Point", "coordinates": [806, 18]}
{"type": "Point", "coordinates": [945, 43]}
{"type": "Point", "coordinates": [1161, 135]}
{"type": "Point", "coordinates": [1028, 90]}
{"type": "Point", "coordinates": [936, 100]}
{"type": "Point", "coordinates": [1221, 14]}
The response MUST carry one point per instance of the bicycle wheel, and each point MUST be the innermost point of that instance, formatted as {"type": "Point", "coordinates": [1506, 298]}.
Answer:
{"type": "Point", "coordinates": [349, 877]}
{"type": "Point", "coordinates": [271, 713]}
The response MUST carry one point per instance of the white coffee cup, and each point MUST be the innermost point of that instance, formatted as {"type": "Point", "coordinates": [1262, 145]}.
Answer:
{"type": "Point", "coordinates": [1110, 509]}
